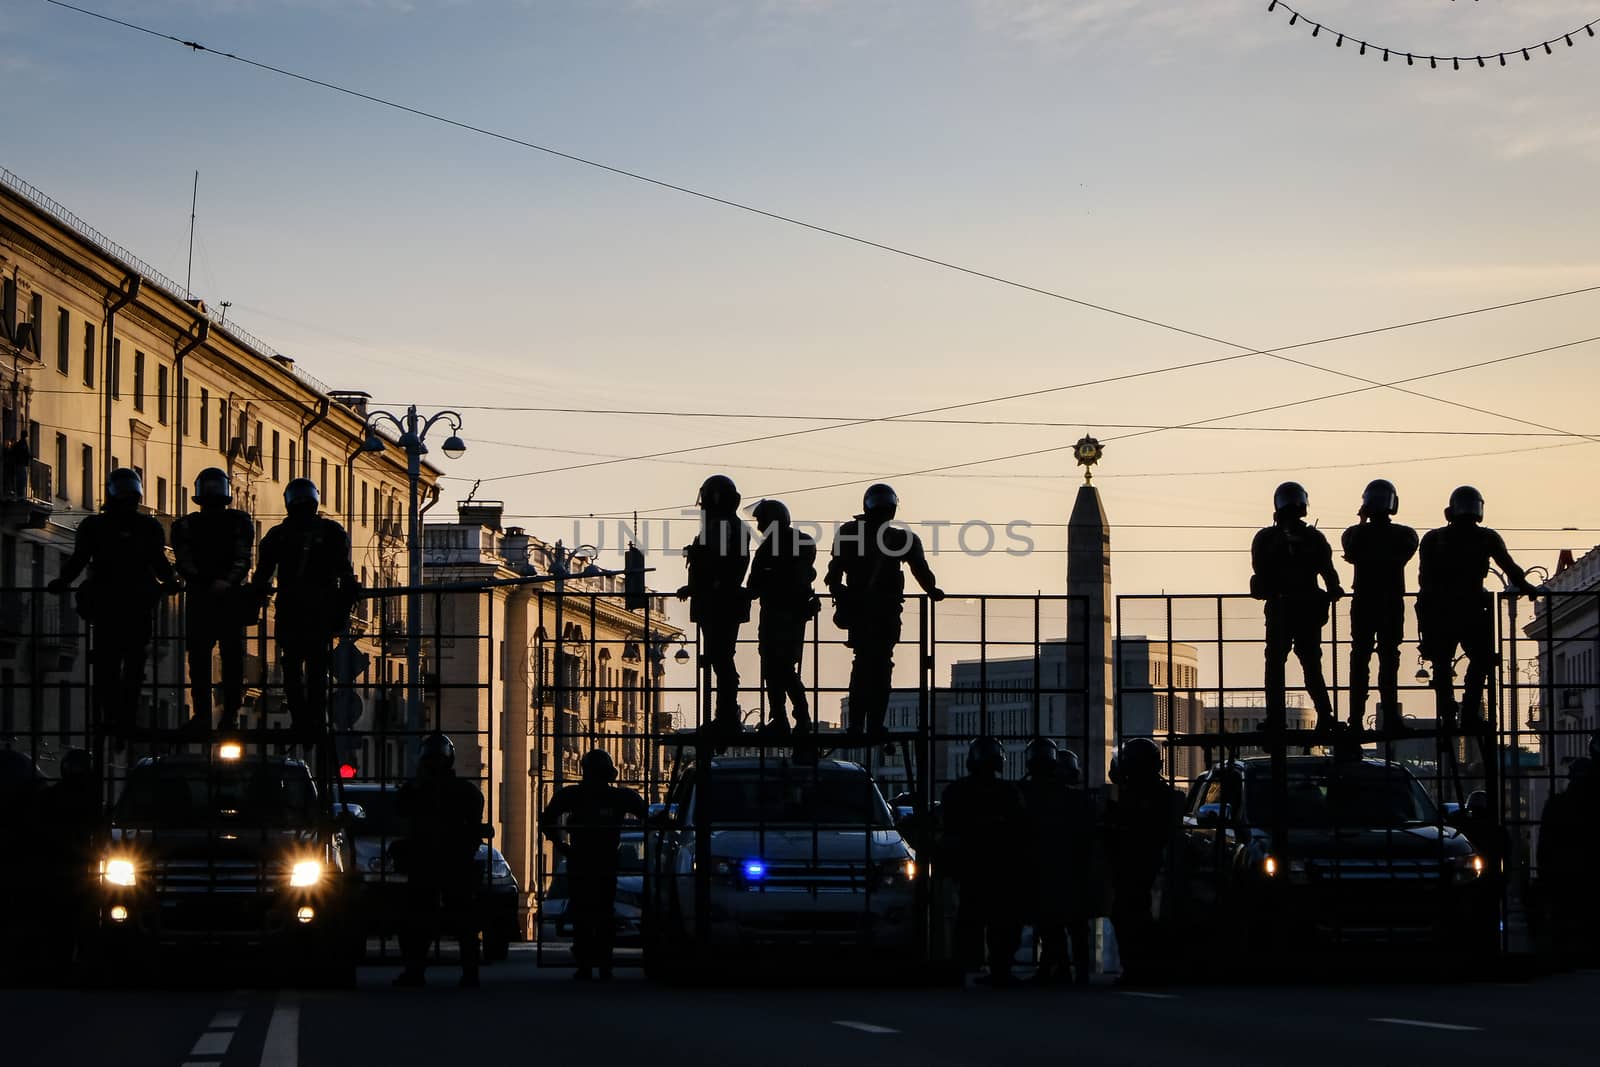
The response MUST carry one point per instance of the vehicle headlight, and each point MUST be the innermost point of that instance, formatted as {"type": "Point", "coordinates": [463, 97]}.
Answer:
{"type": "Point", "coordinates": [897, 873]}
{"type": "Point", "coordinates": [1269, 866]}
{"type": "Point", "coordinates": [306, 873]}
{"type": "Point", "coordinates": [119, 872]}
{"type": "Point", "coordinates": [1469, 868]}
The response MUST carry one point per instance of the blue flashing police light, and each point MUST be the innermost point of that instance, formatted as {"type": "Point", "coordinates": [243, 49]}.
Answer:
{"type": "Point", "coordinates": [754, 870]}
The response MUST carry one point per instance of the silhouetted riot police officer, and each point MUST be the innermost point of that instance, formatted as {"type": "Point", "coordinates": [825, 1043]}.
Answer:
{"type": "Point", "coordinates": [717, 560]}
{"type": "Point", "coordinates": [1288, 557]}
{"type": "Point", "coordinates": [1453, 608]}
{"type": "Point", "coordinates": [125, 552]}
{"type": "Point", "coordinates": [985, 825]}
{"type": "Point", "coordinates": [781, 572]}
{"type": "Point", "coordinates": [595, 810]}
{"type": "Point", "coordinates": [213, 547]}
{"type": "Point", "coordinates": [1061, 838]}
{"type": "Point", "coordinates": [317, 588]}
{"type": "Point", "coordinates": [1141, 824]}
{"type": "Point", "coordinates": [444, 816]}
{"type": "Point", "coordinates": [1568, 864]}
{"type": "Point", "coordinates": [1379, 549]}
{"type": "Point", "coordinates": [868, 588]}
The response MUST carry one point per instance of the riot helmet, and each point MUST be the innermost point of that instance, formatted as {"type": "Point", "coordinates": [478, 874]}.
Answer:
{"type": "Point", "coordinates": [1291, 499]}
{"type": "Point", "coordinates": [1477, 805]}
{"type": "Point", "coordinates": [1466, 504]}
{"type": "Point", "coordinates": [213, 486]}
{"type": "Point", "coordinates": [880, 501]}
{"type": "Point", "coordinates": [767, 512]}
{"type": "Point", "coordinates": [1139, 758]}
{"type": "Point", "coordinates": [1379, 498]}
{"type": "Point", "coordinates": [598, 767]}
{"type": "Point", "coordinates": [301, 497]}
{"type": "Point", "coordinates": [1071, 771]}
{"type": "Point", "coordinates": [124, 488]}
{"type": "Point", "coordinates": [718, 494]}
{"type": "Point", "coordinates": [1042, 756]}
{"type": "Point", "coordinates": [436, 754]}
{"type": "Point", "coordinates": [986, 755]}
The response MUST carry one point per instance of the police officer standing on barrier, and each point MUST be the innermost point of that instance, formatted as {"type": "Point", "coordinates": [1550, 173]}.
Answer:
{"type": "Point", "coordinates": [439, 859]}
{"type": "Point", "coordinates": [1455, 611]}
{"type": "Point", "coordinates": [717, 560]}
{"type": "Point", "coordinates": [125, 552]}
{"type": "Point", "coordinates": [595, 810]}
{"type": "Point", "coordinates": [781, 573]}
{"type": "Point", "coordinates": [1288, 557]}
{"type": "Point", "coordinates": [1141, 826]}
{"type": "Point", "coordinates": [868, 588]}
{"type": "Point", "coordinates": [317, 589]}
{"type": "Point", "coordinates": [985, 825]}
{"type": "Point", "coordinates": [1379, 549]}
{"type": "Point", "coordinates": [213, 547]}
{"type": "Point", "coordinates": [1061, 838]}
{"type": "Point", "coordinates": [66, 817]}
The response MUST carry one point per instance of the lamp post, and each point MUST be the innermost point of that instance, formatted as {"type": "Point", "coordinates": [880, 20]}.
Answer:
{"type": "Point", "coordinates": [559, 558]}
{"type": "Point", "coordinates": [413, 430]}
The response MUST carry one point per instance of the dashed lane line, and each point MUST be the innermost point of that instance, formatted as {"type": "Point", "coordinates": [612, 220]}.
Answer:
{"type": "Point", "coordinates": [1424, 1023]}
{"type": "Point", "coordinates": [212, 1043]}
{"type": "Point", "coordinates": [866, 1028]}
{"type": "Point", "coordinates": [282, 1045]}
{"type": "Point", "coordinates": [1147, 996]}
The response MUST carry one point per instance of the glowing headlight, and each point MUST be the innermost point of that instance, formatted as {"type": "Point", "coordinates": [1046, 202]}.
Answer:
{"type": "Point", "coordinates": [1269, 867]}
{"type": "Point", "coordinates": [1470, 868]}
{"type": "Point", "coordinates": [306, 873]}
{"type": "Point", "coordinates": [120, 872]}
{"type": "Point", "coordinates": [230, 750]}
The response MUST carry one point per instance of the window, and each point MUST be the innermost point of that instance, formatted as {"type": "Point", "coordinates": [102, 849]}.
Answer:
{"type": "Point", "coordinates": [36, 313]}
{"type": "Point", "coordinates": [161, 393]}
{"type": "Point", "coordinates": [338, 489]}
{"type": "Point", "coordinates": [116, 369]}
{"type": "Point", "coordinates": [205, 402]}
{"type": "Point", "coordinates": [222, 425]}
{"type": "Point", "coordinates": [322, 480]}
{"type": "Point", "coordinates": [138, 380]}
{"type": "Point", "coordinates": [363, 503]}
{"type": "Point", "coordinates": [292, 468]}
{"type": "Point", "coordinates": [161, 496]}
{"type": "Point", "coordinates": [275, 442]}
{"type": "Point", "coordinates": [63, 340]}
{"type": "Point", "coordinates": [61, 466]}
{"type": "Point", "coordinates": [257, 443]}
{"type": "Point", "coordinates": [88, 478]}
{"type": "Point", "coordinates": [88, 353]}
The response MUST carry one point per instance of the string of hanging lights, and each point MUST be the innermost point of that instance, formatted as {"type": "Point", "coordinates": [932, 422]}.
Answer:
{"type": "Point", "coordinates": [1412, 57]}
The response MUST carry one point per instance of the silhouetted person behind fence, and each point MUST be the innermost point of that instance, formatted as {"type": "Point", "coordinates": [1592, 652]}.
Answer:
{"type": "Point", "coordinates": [1568, 864]}
{"type": "Point", "coordinates": [595, 811]}
{"type": "Point", "coordinates": [1453, 608]}
{"type": "Point", "coordinates": [18, 464]}
{"type": "Point", "coordinates": [717, 560]}
{"type": "Point", "coordinates": [985, 826]}
{"type": "Point", "coordinates": [213, 547]}
{"type": "Point", "coordinates": [1141, 826]}
{"type": "Point", "coordinates": [66, 818]}
{"type": "Point", "coordinates": [1379, 549]}
{"type": "Point", "coordinates": [781, 572]}
{"type": "Point", "coordinates": [1288, 557]}
{"type": "Point", "coordinates": [1060, 841]}
{"type": "Point", "coordinates": [125, 552]}
{"type": "Point", "coordinates": [444, 816]}
{"type": "Point", "coordinates": [317, 589]}
{"type": "Point", "coordinates": [868, 589]}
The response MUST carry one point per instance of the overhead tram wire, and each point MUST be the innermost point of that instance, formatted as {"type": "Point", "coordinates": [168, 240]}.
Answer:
{"type": "Point", "coordinates": [1245, 351]}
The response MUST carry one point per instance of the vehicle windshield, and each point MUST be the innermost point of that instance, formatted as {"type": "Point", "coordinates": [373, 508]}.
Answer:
{"type": "Point", "coordinates": [1351, 796]}
{"type": "Point", "coordinates": [195, 796]}
{"type": "Point", "coordinates": [841, 800]}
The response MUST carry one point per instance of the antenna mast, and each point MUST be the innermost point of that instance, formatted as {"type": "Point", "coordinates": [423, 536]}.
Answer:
{"type": "Point", "coordinates": [194, 200]}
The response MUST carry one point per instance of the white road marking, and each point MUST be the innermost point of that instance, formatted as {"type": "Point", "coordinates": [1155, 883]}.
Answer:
{"type": "Point", "coordinates": [282, 1046]}
{"type": "Point", "coordinates": [1424, 1023]}
{"type": "Point", "coordinates": [866, 1028]}
{"type": "Point", "coordinates": [1148, 996]}
{"type": "Point", "coordinates": [202, 1063]}
{"type": "Point", "coordinates": [212, 1043]}
{"type": "Point", "coordinates": [226, 1020]}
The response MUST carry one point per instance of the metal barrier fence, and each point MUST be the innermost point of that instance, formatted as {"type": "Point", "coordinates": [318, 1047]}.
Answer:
{"type": "Point", "coordinates": [527, 677]}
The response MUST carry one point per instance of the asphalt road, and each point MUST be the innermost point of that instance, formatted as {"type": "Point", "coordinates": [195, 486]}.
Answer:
{"type": "Point", "coordinates": [527, 1014]}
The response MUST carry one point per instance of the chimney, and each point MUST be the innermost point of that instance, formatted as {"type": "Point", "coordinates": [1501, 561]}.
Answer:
{"type": "Point", "coordinates": [514, 549]}
{"type": "Point", "coordinates": [354, 399]}
{"type": "Point", "coordinates": [481, 513]}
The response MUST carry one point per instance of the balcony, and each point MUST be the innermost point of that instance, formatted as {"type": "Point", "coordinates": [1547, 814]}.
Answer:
{"type": "Point", "coordinates": [28, 507]}
{"type": "Point", "coordinates": [608, 709]}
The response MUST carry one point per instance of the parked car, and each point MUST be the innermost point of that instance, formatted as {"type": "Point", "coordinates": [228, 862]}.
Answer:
{"type": "Point", "coordinates": [375, 825]}
{"type": "Point", "coordinates": [228, 851]}
{"type": "Point", "coordinates": [1366, 858]}
{"type": "Point", "coordinates": [628, 910]}
{"type": "Point", "coordinates": [800, 855]}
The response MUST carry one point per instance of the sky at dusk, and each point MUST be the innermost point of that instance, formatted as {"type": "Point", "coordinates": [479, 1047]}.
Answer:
{"type": "Point", "coordinates": [1196, 162]}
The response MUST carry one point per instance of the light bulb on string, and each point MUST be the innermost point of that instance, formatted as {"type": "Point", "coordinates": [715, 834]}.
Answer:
{"type": "Point", "coordinates": [1340, 42]}
{"type": "Point", "coordinates": [1294, 18]}
{"type": "Point", "coordinates": [1316, 28]}
{"type": "Point", "coordinates": [1547, 49]}
{"type": "Point", "coordinates": [1363, 48]}
{"type": "Point", "coordinates": [1502, 59]}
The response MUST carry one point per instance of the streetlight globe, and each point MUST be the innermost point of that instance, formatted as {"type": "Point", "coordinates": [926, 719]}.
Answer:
{"type": "Point", "coordinates": [373, 443]}
{"type": "Point", "coordinates": [454, 447]}
{"type": "Point", "coordinates": [410, 441]}
{"type": "Point", "coordinates": [683, 655]}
